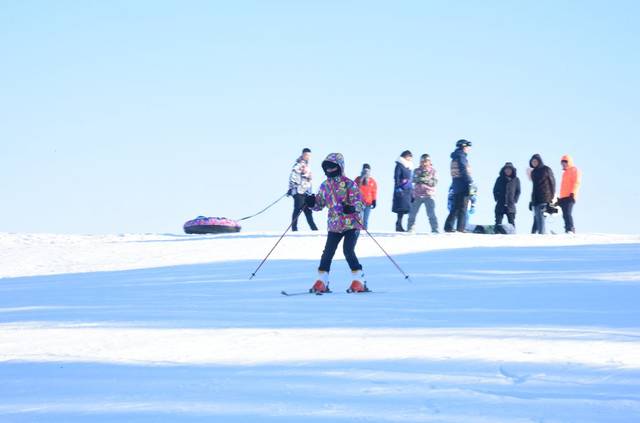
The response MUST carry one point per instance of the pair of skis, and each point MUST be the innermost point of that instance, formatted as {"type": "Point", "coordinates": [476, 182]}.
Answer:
{"type": "Point", "coordinates": [293, 294]}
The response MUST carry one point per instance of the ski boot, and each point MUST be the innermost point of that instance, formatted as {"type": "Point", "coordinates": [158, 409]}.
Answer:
{"type": "Point", "coordinates": [357, 285]}
{"type": "Point", "coordinates": [321, 285]}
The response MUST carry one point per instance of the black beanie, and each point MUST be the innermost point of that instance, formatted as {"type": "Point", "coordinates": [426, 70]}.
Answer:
{"type": "Point", "coordinates": [406, 153]}
{"type": "Point", "coordinates": [366, 166]}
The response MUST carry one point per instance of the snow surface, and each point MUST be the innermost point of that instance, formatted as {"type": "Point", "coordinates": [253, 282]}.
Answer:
{"type": "Point", "coordinates": [149, 328]}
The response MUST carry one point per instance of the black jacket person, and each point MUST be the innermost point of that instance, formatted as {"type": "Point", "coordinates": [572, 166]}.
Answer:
{"type": "Point", "coordinates": [506, 193]}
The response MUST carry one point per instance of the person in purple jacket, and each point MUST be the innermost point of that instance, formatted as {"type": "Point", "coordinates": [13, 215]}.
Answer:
{"type": "Point", "coordinates": [342, 197]}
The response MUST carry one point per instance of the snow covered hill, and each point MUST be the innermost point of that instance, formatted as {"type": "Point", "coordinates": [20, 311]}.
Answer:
{"type": "Point", "coordinates": [44, 254]}
{"type": "Point", "coordinates": [150, 328]}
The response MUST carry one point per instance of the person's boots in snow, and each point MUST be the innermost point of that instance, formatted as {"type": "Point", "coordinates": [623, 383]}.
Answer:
{"type": "Point", "coordinates": [357, 284]}
{"type": "Point", "coordinates": [321, 284]}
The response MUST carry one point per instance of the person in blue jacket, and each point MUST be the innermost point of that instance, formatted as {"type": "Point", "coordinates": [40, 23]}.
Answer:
{"type": "Point", "coordinates": [460, 185]}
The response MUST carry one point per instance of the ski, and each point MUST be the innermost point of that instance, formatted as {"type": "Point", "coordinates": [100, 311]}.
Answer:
{"type": "Point", "coordinates": [292, 294]}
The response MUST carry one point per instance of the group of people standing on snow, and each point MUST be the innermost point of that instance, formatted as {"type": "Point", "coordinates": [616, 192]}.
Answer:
{"type": "Point", "coordinates": [351, 201]}
{"type": "Point", "coordinates": [415, 187]}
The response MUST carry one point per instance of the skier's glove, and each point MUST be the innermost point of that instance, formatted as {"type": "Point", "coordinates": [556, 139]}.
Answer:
{"type": "Point", "coordinates": [373, 205]}
{"type": "Point", "coordinates": [348, 208]}
{"type": "Point", "coordinates": [530, 205]}
{"type": "Point", "coordinates": [288, 193]}
{"type": "Point", "coordinates": [310, 200]}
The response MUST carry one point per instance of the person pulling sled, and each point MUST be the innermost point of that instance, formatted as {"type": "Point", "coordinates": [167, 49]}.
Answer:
{"type": "Point", "coordinates": [342, 197]}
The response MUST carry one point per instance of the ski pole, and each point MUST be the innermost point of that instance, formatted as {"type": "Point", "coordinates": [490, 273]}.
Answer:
{"type": "Point", "coordinates": [384, 251]}
{"type": "Point", "coordinates": [406, 277]}
{"type": "Point", "coordinates": [276, 244]}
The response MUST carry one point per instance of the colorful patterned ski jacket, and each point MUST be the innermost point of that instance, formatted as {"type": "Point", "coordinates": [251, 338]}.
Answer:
{"type": "Point", "coordinates": [333, 192]}
{"type": "Point", "coordinates": [424, 182]}
{"type": "Point", "coordinates": [300, 178]}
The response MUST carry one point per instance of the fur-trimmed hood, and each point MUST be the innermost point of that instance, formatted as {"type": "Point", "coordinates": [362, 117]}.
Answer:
{"type": "Point", "coordinates": [404, 162]}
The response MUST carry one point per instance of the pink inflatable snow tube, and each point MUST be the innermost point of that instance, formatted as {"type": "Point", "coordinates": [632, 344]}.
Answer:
{"type": "Point", "coordinates": [211, 225]}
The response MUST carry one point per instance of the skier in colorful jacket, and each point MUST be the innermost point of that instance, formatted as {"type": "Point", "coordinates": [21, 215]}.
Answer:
{"type": "Point", "coordinates": [299, 188]}
{"type": "Point", "coordinates": [342, 197]}
{"type": "Point", "coordinates": [369, 191]}
{"type": "Point", "coordinates": [569, 187]}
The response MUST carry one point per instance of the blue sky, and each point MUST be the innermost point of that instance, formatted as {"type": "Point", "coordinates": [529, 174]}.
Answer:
{"type": "Point", "coordinates": [135, 116]}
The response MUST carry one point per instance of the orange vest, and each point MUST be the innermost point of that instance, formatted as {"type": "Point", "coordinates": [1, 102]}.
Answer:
{"type": "Point", "coordinates": [369, 192]}
{"type": "Point", "coordinates": [571, 179]}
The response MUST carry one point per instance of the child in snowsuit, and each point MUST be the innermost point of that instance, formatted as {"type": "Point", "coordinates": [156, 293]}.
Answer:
{"type": "Point", "coordinates": [342, 197]}
{"type": "Point", "coordinates": [506, 192]}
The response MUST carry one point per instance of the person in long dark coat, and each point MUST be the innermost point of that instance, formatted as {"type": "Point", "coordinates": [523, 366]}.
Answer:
{"type": "Point", "coordinates": [506, 192]}
{"type": "Point", "coordinates": [402, 187]}
{"type": "Point", "coordinates": [544, 188]}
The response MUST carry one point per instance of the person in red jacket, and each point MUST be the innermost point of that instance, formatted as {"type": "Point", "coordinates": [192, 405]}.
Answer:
{"type": "Point", "coordinates": [571, 178]}
{"type": "Point", "coordinates": [369, 191]}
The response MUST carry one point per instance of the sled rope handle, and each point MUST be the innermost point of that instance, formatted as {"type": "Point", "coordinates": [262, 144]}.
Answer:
{"type": "Point", "coordinates": [265, 209]}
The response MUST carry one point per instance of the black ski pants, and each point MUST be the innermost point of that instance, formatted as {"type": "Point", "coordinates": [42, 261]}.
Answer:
{"type": "Point", "coordinates": [511, 217]}
{"type": "Point", "coordinates": [458, 213]}
{"type": "Point", "coordinates": [298, 203]}
{"type": "Point", "coordinates": [348, 247]}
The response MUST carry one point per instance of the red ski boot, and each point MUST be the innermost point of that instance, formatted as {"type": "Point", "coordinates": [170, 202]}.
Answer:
{"type": "Point", "coordinates": [320, 287]}
{"type": "Point", "coordinates": [357, 285]}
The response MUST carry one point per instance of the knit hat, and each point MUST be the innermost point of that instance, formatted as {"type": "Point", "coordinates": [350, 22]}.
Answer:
{"type": "Point", "coordinates": [424, 157]}
{"type": "Point", "coordinates": [366, 166]}
{"type": "Point", "coordinates": [406, 153]}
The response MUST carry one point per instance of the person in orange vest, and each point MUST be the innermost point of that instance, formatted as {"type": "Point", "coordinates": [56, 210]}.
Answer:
{"type": "Point", "coordinates": [369, 191]}
{"type": "Point", "coordinates": [571, 178]}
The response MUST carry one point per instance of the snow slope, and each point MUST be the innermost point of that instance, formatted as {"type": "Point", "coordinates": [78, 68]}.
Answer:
{"type": "Point", "coordinates": [45, 254]}
{"type": "Point", "coordinates": [149, 328]}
